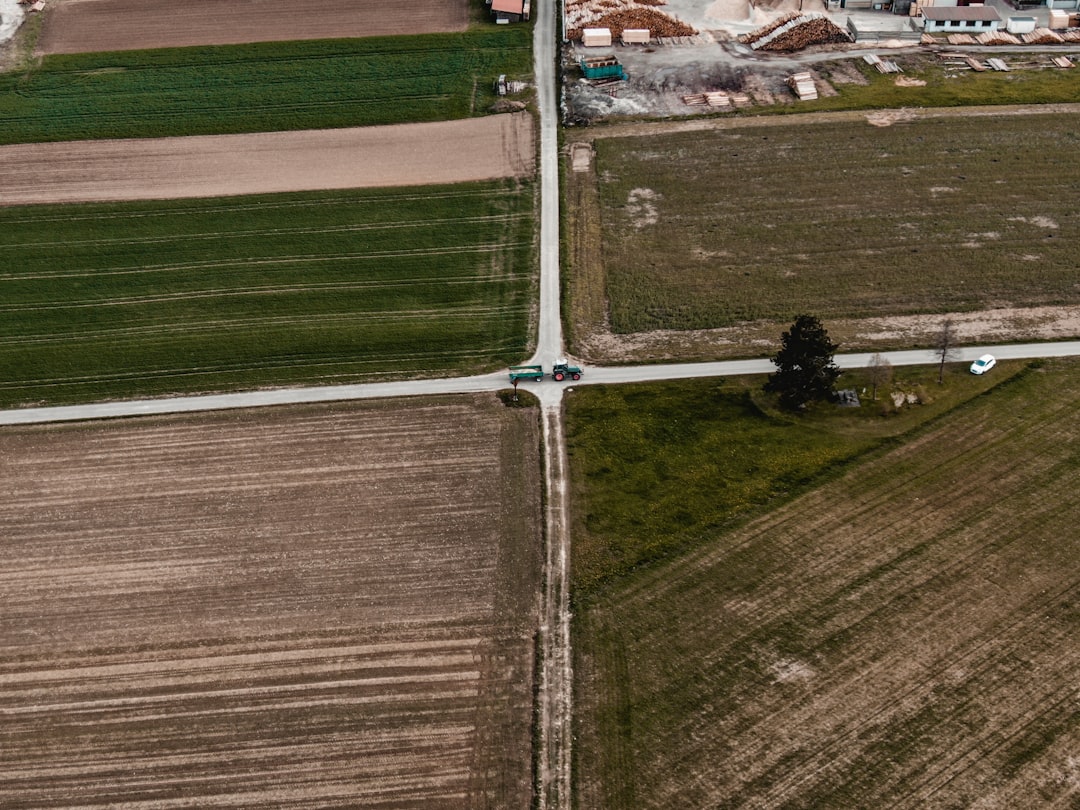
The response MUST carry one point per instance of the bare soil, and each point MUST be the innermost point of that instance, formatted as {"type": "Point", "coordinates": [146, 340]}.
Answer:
{"type": "Point", "coordinates": [325, 606]}
{"type": "Point", "coordinates": [217, 165]}
{"type": "Point", "coordinates": [81, 26]}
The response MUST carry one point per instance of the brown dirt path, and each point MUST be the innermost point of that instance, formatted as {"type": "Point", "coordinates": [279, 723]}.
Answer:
{"type": "Point", "coordinates": [120, 25]}
{"type": "Point", "coordinates": [269, 162]}
{"type": "Point", "coordinates": [871, 117]}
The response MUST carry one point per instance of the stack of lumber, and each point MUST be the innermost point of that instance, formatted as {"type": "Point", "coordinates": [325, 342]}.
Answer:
{"type": "Point", "coordinates": [880, 65]}
{"type": "Point", "coordinates": [928, 39]}
{"type": "Point", "coordinates": [765, 30]}
{"type": "Point", "coordinates": [996, 38]}
{"type": "Point", "coordinates": [1062, 61]}
{"type": "Point", "coordinates": [1071, 36]}
{"type": "Point", "coordinates": [961, 39]}
{"type": "Point", "coordinates": [795, 32]}
{"type": "Point", "coordinates": [1042, 36]}
{"type": "Point", "coordinates": [620, 15]}
{"type": "Point", "coordinates": [974, 64]}
{"type": "Point", "coordinates": [741, 100]}
{"type": "Point", "coordinates": [997, 64]}
{"type": "Point", "coordinates": [803, 85]}
{"type": "Point", "coordinates": [717, 98]}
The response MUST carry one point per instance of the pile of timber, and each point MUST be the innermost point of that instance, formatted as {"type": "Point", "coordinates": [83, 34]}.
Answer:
{"type": "Point", "coordinates": [1062, 61]}
{"type": "Point", "coordinates": [1071, 36]}
{"type": "Point", "coordinates": [997, 64]}
{"type": "Point", "coordinates": [620, 15]}
{"type": "Point", "coordinates": [961, 39]}
{"type": "Point", "coordinates": [996, 38]}
{"type": "Point", "coordinates": [974, 64]}
{"type": "Point", "coordinates": [765, 30]}
{"type": "Point", "coordinates": [1042, 36]}
{"type": "Point", "coordinates": [803, 85]}
{"type": "Point", "coordinates": [927, 39]}
{"type": "Point", "coordinates": [795, 32]}
{"type": "Point", "coordinates": [880, 65]}
{"type": "Point", "coordinates": [717, 99]}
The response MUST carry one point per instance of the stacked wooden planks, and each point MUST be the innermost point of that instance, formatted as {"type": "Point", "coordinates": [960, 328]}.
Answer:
{"type": "Point", "coordinates": [1042, 36]}
{"type": "Point", "coordinates": [997, 38]}
{"type": "Point", "coordinates": [803, 85]}
{"type": "Point", "coordinates": [716, 98]}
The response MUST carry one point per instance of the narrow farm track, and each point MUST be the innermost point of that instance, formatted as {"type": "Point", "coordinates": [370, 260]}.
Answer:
{"type": "Point", "coordinates": [485, 148]}
{"type": "Point", "coordinates": [321, 607]}
{"type": "Point", "coordinates": [118, 25]}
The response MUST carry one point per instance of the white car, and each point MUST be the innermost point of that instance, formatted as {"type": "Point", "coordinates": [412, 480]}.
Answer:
{"type": "Point", "coordinates": [983, 364]}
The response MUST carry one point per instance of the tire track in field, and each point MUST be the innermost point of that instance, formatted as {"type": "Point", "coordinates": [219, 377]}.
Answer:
{"type": "Point", "coordinates": [222, 206]}
{"type": "Point", "coordinates": [264, 232]}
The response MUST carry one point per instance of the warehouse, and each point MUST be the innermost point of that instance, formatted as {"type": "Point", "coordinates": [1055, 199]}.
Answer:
{"type": "Point", "coordinates": [960, 18]}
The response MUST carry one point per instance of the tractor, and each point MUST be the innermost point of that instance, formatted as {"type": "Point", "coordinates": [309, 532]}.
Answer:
{"type": "Point", "coordinates": [562, 369]}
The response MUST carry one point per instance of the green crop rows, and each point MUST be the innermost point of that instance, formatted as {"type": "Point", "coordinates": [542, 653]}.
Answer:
{"type": "Point", "coordinates": [709, 229]}
{"type": "Point", "coordinates": [260, 87]}
{"type": "Point", "coordinates": [121, 300]}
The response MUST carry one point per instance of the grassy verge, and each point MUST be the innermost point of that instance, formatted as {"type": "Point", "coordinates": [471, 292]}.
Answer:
{"type": "Point", "coordinates": [896, 635]}
{"type": "Point", "coordinates": [138, 299]}
{"type": "Point", "coordinates": [260, 87]}
{"type": "Point", "coordinates": [710, 229]}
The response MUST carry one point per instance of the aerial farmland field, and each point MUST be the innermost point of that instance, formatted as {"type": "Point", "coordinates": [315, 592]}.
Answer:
{"type": "Point", "coordinates": [262, 87]}
{"type": "Point", "coordinates": [302, 607]}
{"type": "Point", "coordinates": [903, 634]}
{"type": "Point", "coordinates": [729, 226]}
{"type": "Point", "coordinates": [120, 25]}
{"type": "Point", "coordinates": [135, 299]}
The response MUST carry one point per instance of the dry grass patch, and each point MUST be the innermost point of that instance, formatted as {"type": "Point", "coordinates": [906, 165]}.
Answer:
{"type": "Point", "coordinates": [838, 219]}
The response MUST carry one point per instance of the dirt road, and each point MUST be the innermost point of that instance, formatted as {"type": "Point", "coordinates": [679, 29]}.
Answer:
{"type": "Point", "coordinates": [871, 117]}
{"type": "Point", "coordinates": [122, 25]}
{"type": "Point", "coordinates": [262, 163]}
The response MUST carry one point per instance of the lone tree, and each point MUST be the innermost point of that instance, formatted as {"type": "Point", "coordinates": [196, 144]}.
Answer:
{"type": "Point", "coordinates": [805, 371]}
{"type": "Point", "coordinates": [878, 372]}
{"type": "Point", "coordinates": [945, 347]}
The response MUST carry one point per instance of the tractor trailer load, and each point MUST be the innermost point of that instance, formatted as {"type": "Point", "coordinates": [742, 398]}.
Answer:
{"type": "Point", "coordinates": [560, 371]}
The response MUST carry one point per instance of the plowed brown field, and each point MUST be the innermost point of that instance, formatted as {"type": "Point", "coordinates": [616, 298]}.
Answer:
{"type": "Point", "coordinates": [319, 607]}
{"type": "Point", "coordinates": [268, 162]}
{"type": "Point", "coordinates": [122, 25]}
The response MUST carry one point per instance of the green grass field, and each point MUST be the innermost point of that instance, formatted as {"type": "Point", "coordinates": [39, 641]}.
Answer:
{"type": "Point", "coordinates": [260, 87]}
{"type": "Point", "coordinates": [859, 620]}
{"type": "Point", "coordinates": [713, 228]}
{"type": "Point", "coordinates": [135, 299]}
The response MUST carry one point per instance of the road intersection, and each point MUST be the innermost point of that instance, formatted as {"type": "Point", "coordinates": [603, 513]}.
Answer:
{"type": "Point", "coordinates": [555, 693]}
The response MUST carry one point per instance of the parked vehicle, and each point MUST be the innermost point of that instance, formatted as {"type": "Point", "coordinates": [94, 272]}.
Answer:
{"type": "Point", "coordinates": [983, 364]}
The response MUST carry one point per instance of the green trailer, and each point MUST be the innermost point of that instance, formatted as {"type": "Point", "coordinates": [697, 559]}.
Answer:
{"type": "Point", "coordinates": [521, 373]}
{"type": "Point", "coordinates": [602, 67]}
